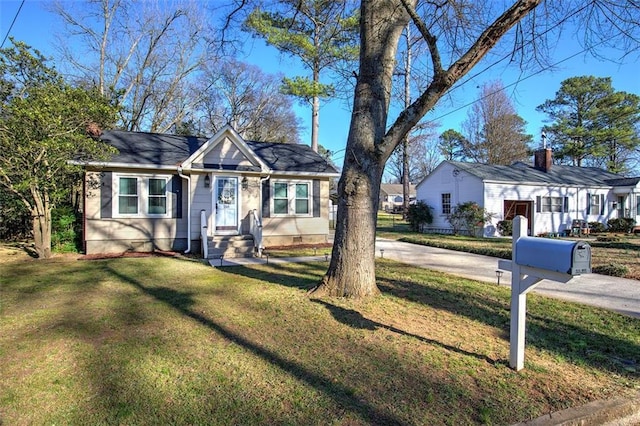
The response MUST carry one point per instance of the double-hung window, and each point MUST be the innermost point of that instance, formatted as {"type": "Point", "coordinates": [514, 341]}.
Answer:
{"type": "Point", "coordinates": [128, 195]}
{"type": "Point", "coordinates": [141, 197]}
{"type": "Point", "coordinates": [552, 204]}
{"type": "Point", "coordinates": [446, 203]}
{"type": "Point", "coordinates": [157, 200]}
{"type": "Point", "coordinates": [292, 198]}
{"type": "Point", "coordinates": [594, 204]}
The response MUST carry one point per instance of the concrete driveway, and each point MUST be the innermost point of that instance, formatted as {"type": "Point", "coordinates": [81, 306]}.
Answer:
{"type": "Point", "coordinates": [617, 294]}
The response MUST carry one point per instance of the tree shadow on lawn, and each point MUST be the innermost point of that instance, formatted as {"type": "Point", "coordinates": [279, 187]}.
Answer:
{"type": "Point", "coordinates": [574, 341]}
{"type": "Point", "coordinates": [355, 319]}
{"type": "Point", "coordinates": [343, 395]}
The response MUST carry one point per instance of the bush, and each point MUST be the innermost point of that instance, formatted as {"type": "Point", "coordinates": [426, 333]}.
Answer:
{"type": "Point", "coordinates": [418, 215]}
{"type": "Point", "coordinates": [468, 216]}
{"type": "Point", "coordinates": [15, 218]}
{"type": "Point", "coordinates": [597, 227]}
{"type": "Point", "coordinates": [612, 269]}
{"type": "Point", "coordinates": [624, 225]}
{"type": "Point", "coordinates": [505, 228]}
{"type": "Point", "coordinates": [64, 235]}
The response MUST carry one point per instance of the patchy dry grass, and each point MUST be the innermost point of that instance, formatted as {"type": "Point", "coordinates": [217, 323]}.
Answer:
{"type": "Point", "coordinates": [171, 341]}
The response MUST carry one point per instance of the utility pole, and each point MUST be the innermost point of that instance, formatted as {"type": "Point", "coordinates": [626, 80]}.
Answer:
{"type": "Point", "coordinates": [405, 143]}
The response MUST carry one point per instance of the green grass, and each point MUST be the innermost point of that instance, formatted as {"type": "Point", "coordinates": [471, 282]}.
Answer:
{"type": "Point", "coordinates": [171, 341]}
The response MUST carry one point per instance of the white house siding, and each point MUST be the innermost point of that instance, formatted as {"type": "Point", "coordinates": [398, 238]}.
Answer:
{"type": "Point", "coordinates": [462, 186]}
{"type": "Point", "coordinates": [465, 187]}
{"type": "Point", "coordinates": [545, 222]}
{"type": "Point", "coordinates": [119, 234]}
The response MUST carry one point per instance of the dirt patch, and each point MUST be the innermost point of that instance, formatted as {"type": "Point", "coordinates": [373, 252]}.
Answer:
{"type": "Point", "coordinates": [13, 253]}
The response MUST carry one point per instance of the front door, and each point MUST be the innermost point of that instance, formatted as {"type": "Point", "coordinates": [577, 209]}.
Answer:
{"type": "Point", "coordinates": [226, 205]}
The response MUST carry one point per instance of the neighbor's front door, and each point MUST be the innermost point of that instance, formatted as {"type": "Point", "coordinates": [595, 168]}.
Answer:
{"type": "Point", "coordinates": [226, 205]}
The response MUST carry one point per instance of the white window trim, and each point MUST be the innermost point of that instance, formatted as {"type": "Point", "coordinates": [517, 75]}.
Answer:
{"type": "Point", "coordinates": [142, 182]}
{"type": "Point", "coordinates": [291, 194]}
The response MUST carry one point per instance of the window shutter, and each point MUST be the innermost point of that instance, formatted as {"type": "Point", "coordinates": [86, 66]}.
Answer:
{"type": "Point", "coordinates": [588, 203]}
{"type": "Point", "coordinates": [316, 198]}
{"type": "Point", "coordinates": [566, 205]}
{"type": "Point", "coordinates": [106, 195]}
{"type": "Point", "coordinates": [538, 204]}
{"type": "Point", "coordinates": [601, 203]}
{"type": "Point", "coordinates": [266, 198]}
{"type": "Point", "coordinates": [176, 199]}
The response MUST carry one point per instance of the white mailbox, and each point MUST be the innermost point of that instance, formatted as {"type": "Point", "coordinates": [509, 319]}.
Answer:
{"type": "Point", "coordinates": [567, 257]}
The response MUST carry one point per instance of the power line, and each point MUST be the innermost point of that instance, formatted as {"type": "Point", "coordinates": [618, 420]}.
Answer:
{"type": "Point", "coordinates": [516, 82]}
{"type": "Point", "coordinates": [11, 26]}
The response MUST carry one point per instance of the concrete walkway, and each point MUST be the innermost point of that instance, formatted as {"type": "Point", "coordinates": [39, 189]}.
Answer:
{"type": "Point", "coordinates": [617, 294]}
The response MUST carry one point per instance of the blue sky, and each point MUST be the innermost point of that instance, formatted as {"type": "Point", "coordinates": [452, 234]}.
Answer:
{"type": "Point", "coordinates": [35, 26]}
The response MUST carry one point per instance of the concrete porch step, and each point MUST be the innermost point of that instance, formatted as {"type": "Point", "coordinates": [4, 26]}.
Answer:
{"type": "Point", "coordinates": [230, 246]}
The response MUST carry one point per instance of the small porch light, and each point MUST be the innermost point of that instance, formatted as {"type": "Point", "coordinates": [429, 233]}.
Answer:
{"type": "Point", "coordinates": [244, 183]}
{"type": "Point", "coordinates": [207, 181]}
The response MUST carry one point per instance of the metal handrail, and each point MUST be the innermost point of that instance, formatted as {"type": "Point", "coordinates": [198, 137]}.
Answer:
{"type": "Point", "coordinates": [203, 234]}
{"type": "Point", "coordinates": [255, 229]}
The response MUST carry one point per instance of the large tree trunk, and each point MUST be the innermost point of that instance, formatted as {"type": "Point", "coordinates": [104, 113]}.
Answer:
{"type": "Point", "coordinates": [352, 269]}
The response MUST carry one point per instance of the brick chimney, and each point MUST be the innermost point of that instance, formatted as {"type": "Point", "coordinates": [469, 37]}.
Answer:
{"type": "Point", "coordinates": [542, 159]}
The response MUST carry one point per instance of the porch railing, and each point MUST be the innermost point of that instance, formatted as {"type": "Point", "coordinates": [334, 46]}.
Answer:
{"type": "Point", "coordinates": [255, 229]}
{"type": "Point", "coordinates": [203, 234]}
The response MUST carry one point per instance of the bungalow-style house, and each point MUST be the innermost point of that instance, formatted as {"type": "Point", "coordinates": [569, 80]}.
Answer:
{"type": "Point", "coordinates": [220, 196]}
{"type": "Point", "coordinates": [392, 196]}
{"type": "Point", "coordinates": [550, 196]}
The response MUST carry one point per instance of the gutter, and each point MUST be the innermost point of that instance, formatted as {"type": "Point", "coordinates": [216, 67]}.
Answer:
{"type": "Point", "coordinates": [188, 179]}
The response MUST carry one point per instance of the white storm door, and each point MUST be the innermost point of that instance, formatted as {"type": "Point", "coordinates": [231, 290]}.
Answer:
{"type": "Point", "coordinates": [226, 204]}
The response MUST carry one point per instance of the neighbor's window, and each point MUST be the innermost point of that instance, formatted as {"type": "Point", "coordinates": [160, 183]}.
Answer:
{"type": "Point", "coordinates": [157, 196]}
{"type": "Point", "coordinates": [446, 203]}
{"type": "Point", "coordinates": [552, 204]}
{"type": "Point", "coordinates": [595, 204]}
{"type": "Point", "coordinates": [638, 207]}
{"type": "Point", "coordinates": [128, 195]}
{"type": "Point", "coordinates": [292, 198]}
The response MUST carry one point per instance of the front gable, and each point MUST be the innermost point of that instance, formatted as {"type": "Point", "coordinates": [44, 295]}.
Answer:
{"type": "Point", "coordinates": [223, 151]}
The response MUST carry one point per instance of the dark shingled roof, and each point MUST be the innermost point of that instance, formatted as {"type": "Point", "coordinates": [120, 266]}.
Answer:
{"type": "Point", "coordinates": [282, 157]}
{"type": "Point", "coordinates": [630, 181]}
{"type": "Point", "coordinates": [171, 150]}
{"type": "Point", "coordinates": [523, 173]}
{"type": "Point", "coordinates": [151, 148]}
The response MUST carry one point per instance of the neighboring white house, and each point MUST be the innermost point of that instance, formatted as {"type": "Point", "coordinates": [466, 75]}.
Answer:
{"type": "Point", "coordinates": [391, 196]}
{"type": "Point", "coordinates": [549, 196]}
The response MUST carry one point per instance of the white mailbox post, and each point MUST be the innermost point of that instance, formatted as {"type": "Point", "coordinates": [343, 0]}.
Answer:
{"type": "Point", "coordinates": [535, 259]}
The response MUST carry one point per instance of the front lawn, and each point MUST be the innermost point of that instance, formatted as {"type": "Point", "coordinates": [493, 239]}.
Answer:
{"type": "Point", "coordinates": [172, 341]}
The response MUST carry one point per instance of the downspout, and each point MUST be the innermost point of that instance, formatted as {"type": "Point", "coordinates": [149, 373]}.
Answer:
{"type": "Point", "coordinates": [188, 179]}
{"type": "Point", "coordinates": [262, 181]}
